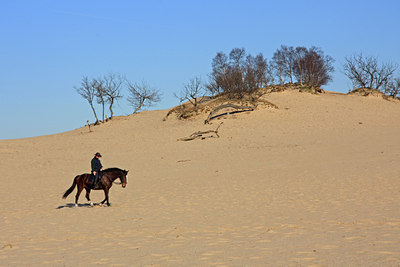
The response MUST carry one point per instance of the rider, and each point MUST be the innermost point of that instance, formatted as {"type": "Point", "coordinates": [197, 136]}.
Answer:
{"type": "Point", "coordinates": [96, 168]}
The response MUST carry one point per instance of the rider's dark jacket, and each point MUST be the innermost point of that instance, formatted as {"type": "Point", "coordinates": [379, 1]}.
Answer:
{"type": "Point", "coordinates": [96, 165]}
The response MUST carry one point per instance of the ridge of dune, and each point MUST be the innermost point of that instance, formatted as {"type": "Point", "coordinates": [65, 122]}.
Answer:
{"type": "Point", "coordinates": [315, 182]}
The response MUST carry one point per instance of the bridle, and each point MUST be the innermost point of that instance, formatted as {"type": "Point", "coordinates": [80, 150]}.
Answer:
{"type": "Point", "coordinates": [114, 182]}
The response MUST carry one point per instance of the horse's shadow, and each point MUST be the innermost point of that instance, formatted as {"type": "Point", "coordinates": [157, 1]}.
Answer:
{"type": "Point", "coordinates": [86, 205]}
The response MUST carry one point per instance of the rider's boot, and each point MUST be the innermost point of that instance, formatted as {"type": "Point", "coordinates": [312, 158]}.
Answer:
{"type": "Point", "coordinates": [94, 182]}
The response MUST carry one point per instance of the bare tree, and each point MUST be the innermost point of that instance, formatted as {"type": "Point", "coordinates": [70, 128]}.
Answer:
{"type": "Point", "coordinates": [260, 68]}
{"type": "Point", "coordinates": [251, 79]}
{"type": "Point", "coordinates": [240, 74]}
{"type": "Point", "coordinates": [289, 53]}
{"type": "Point", "coordinates": [192, 91]}
{"type": "Point", "coordinates": [236, 72]}
{"type": "Point", "coordinates": [366, 72]}
{"type": "Point", "coordinates": [392, 88]}
{"type": "Point", "coordinates": [279, 65]}
{"type": "Point", "coordinates": [263, 71]}
{"type": "Point", "coordinates": [270, 77]}
{"type": "Point", "coordinates": [141, 95]}
{"type": "Point", "coordinates": [284, 62]}
{"type": "Point", "coordinates": [88, 92]}
{"type": "Point", "coordinates": [317, 67]}
{"type": "Point", "coordinates": [98, 85]}
{"type": "Point", "coordinates": [311, 66]}
{"type": "Point", "coordinates": [396, 87]}
{"type": "Point", "coordinates": [219, 76]}
{"type": "Point", "coordinates": [237, 57]}
{"type": "Point", "coordinates": [299, 67]}
{"type": "Point", "coordinates": [112, 84]}
{"type": "Point", "coordinates": [235, 82]}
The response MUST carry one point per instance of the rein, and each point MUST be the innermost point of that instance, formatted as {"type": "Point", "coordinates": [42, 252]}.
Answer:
{"type": "Point", "coordinates": [114, 182]}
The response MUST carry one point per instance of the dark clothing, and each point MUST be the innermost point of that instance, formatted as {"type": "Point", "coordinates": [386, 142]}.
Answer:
{"type": "Point", "coordinates": [96, 179]}
{"type": "Point", "coordinates": [96, 165]}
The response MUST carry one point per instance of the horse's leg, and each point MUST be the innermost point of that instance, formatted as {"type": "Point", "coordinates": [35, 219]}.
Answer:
{"type": "Point", "coordinates": [79, 190]}
{"type": "Point", "coordinates": [88, 196]}
{"type": "Point", "coordinates": [106, 197]}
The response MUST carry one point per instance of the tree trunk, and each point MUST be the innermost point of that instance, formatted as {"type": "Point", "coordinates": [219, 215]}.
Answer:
{"type": "Point", "coordinates": [111, 104]}
{"type": "Point", "coordinates": [94, 111]}
{"type": "Point", "coordinates": [139, 107]}
{"type": "Point", "coordinates": [103, 110]}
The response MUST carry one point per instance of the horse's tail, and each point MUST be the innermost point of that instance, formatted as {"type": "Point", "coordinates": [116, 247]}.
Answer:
{"type": "Point", "coordinates": [69, 191]}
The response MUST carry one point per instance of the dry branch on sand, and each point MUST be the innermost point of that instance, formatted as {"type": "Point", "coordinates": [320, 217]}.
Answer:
{"type": "Point", "coordinates": [208, 104]}
{"type": "Point", "coordinates": [237, 109]}
{"type": "Point", "coordinates": [202, 134]}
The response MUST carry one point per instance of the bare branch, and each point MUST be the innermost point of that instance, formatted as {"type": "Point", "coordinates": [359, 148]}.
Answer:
{"type": "Point", "coordinates": [141, 95]}
{"type": "Point", "coordinates": [192, 91]}
{"type": "Point", "coordinates": [366, 72]}
{"type": "Point", "coordinates": [311, 66]}
{"type": "Point", "coordinates": [98, 85]}
{"type": "Point", "coordinates": [392, 88]}
{"type": "Point", "coordinates": [112, 89]}
{"type": "Point", "coordinates": [88, 92]}
{"type": "Point", "coordinates": [241, 74]}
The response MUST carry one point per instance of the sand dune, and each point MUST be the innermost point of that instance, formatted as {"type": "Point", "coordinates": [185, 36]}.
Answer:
{"type": "Point", "coordinates": [315, 182]}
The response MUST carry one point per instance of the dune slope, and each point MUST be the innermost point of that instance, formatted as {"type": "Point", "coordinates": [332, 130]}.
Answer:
{"type": "Point", "coordinates": [315, 182]}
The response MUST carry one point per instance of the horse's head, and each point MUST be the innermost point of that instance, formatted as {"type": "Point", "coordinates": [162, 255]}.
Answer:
{"type": "Point", "coordinates": [124, 178]}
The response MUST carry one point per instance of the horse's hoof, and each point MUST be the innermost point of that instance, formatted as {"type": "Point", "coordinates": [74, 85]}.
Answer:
{"type": "Point", "coordinates": [76, 205]}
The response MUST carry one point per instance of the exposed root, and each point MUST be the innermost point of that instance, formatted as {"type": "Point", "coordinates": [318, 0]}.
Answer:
{"type": "Point", "coordinates": [202, 134]}
{"type": "Point", "coordinates": [238, 109]}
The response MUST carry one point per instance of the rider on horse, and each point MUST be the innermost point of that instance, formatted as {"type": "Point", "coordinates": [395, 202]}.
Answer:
{"type": "Point", "coordinates": [96, 168]}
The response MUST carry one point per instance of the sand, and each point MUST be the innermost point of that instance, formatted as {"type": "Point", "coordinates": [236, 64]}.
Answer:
{"type": "Point", "coordinates": [313, 183]}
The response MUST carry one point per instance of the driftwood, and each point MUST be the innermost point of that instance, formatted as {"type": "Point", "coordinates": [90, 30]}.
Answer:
{"type": "Point", "coordinates": [202, 135]}
{"type": "Point", "coordinates": [238, 109]}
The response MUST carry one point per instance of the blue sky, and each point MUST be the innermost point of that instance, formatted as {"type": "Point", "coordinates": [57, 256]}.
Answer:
{"type": "Point", "coordinates": [46, 47]}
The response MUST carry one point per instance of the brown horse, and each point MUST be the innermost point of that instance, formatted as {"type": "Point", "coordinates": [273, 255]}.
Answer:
{"type": "Point", "coordinates": [105, 183]}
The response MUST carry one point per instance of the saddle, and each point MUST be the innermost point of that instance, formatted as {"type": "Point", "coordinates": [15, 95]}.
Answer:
{"type": "Point", "coordinates": [92, 179]}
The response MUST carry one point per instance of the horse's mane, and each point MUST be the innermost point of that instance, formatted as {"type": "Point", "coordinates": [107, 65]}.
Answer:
{"type": "Point", "coordinates": [113, 170]}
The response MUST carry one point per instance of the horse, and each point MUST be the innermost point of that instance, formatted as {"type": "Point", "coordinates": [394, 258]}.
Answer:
{"type": "Point", "coordinates": [105, 183]}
